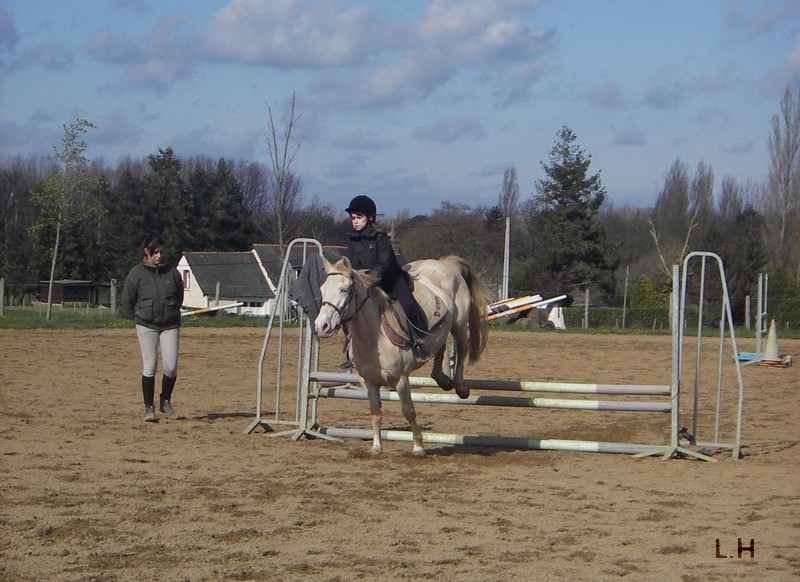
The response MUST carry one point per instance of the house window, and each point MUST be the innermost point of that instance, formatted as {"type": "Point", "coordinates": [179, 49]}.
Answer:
{"type": "Point", "coordinates": [186, 279]}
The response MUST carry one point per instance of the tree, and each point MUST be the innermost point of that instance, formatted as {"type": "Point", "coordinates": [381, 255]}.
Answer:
{"type": "Point", "coordinates": [284, 147]}
{"type": "Point", "coordinates": [19, 179]}
{"type": "Point", "coordinates": [681, 206]}
{"type": "Point", "coordinates": [166, 202]}
{"type": "Point", "coordinates": [644, 294]}
{"type": "Point", "coordinates": [64, 199]}
{"type": "Point", "coordinates": [566, 207]}
{"type": "Point", "coordinates": [783, 192]}
{"type": "Point", "coordinates": [509, 196]}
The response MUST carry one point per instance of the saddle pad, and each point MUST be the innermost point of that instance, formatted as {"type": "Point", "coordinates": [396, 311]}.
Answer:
{"type": "Point", "coordinates": [396, 325]}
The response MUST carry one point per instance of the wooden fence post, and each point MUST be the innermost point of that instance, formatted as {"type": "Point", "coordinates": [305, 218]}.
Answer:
{"type": "Point", "coordinates": [112, 296]}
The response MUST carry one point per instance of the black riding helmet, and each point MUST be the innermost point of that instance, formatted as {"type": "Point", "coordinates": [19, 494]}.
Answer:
{"type": "Point", "coordinates": [363, 204]}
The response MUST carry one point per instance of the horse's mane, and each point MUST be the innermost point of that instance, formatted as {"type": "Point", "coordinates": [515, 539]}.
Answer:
{"type": "Point", "coordinates": [363, 279]}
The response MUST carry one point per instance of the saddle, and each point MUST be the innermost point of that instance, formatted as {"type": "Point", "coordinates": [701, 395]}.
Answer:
{"type": "Point", "coordinates": [395, 323]}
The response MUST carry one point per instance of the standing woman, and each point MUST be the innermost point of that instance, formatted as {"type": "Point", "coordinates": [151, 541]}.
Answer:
{"type": "Point", "coordinates": [153, 295]}
{"type": "Point", "coordinates": [370, 248]}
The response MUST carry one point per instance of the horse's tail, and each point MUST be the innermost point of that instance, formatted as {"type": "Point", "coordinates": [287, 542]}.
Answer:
{"type": "Point", "coordinates": [478, 305]}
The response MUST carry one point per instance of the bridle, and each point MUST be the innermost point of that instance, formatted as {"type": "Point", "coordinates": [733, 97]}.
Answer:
{"type": "Point", "coordinates": [343, 311]}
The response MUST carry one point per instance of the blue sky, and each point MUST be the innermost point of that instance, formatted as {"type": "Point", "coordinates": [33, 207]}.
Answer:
{"type": "Point", "coordinates": [413, 102]}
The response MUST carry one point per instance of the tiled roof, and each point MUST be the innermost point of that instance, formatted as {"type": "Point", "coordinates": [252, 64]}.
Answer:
{"type": "Point", "coordinates": [238, 274]}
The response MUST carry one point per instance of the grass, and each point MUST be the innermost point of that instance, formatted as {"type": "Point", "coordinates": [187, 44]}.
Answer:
{"type": "Point", "coordinates": [101, 318]}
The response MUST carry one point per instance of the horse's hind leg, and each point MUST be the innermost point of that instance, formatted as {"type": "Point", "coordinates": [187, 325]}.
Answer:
{"type": "Point", "coordinates": [458, 374]}
{"type": "Point", "coordinates": [404, 392]}
{"type": "Point", "coordinates": [437, 372]}
{"type": "Point", "coordinates": [375, 415]}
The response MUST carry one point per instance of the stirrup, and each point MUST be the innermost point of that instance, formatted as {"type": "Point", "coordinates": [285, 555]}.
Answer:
{"type": "Point", "coordinates": [420, 351]}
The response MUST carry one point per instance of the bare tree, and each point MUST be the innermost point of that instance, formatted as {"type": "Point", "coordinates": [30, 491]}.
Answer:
{"type": "Point", "coordinates": [731, 199]}
{"type": "Point", "coordinates": [782, 203]}
{"type": "Point", "coordinates": [680, 208]}
{"type": "Point", "coordinates": [286, 187]}
{"type": "Point", "coordinates": [670, 217]}
{"type": "Point", "coordinates": [509, 196]}
{"type": "Point", "coordinates": [701, 193]}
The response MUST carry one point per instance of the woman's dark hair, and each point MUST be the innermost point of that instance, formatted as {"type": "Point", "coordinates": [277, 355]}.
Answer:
{"type": "Point", "coordinates": [150, 244]}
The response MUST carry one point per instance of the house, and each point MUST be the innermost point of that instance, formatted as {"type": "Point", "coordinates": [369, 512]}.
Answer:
{"type": "Point", "coordinates": [217, 278]}
{"type": "Point", "coordinates": [72, 291]}
{"type": "Point", "coordinates": [251, 277]}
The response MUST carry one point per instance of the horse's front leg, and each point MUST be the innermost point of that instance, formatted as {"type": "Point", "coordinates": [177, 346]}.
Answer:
{"type": "Point", "coordinates": [404, 392]}
{"type": "Point", "coordinates": [375, 413]}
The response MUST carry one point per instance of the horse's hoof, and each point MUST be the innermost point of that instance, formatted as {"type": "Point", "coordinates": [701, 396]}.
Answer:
{"type": "Point", "coordinates": [444, 383]}
{"type": "Point", "coordinates": [375, 452]}
{"type": "Point", "coordinates": [462, 392]}
{"type": "Point", "coordinates": [419, 453]}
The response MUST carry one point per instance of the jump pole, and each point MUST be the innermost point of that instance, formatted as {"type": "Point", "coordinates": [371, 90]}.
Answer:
{"type": "Point", "coordinates": [504, 442]}
{"type": "Point", "coordinates": [513, 385]}
{"type": "Point", "coordinates": [314, 385]}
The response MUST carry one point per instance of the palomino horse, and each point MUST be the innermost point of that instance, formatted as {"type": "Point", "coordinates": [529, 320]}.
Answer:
{"type": "Point", "coordinates": [456, 303]}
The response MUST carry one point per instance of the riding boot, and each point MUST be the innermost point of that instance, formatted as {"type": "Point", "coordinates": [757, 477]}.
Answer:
{"type": "Point", "coordinates": [347, 364]}
{"type": "Point", "coordinates": [420, 351]}
{"type": "Point", "coordinates": [167, 385]}
{"type": "Point", "coordinates": [419, 331]}
{"type": "Point", "coordinates": [148, 393]}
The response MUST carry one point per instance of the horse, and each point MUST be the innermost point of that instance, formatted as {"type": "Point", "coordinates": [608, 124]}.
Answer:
{"type": "Point", "coordinates": [459, 307]}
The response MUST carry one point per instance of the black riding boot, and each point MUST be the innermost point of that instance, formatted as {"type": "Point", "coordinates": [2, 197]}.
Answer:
{"type": "Point", "coordinates": [167, 385]}
{"type": "Point", "coordinates": [148, 393]}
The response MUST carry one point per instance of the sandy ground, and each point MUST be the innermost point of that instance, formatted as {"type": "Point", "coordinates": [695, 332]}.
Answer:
{"type": "Point", "coordinates": [91, 492]}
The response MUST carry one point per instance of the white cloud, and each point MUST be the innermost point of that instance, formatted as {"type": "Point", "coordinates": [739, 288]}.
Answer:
{"type": "Point", "coordinates": [8, 30]}
{"type": "Point", "coordinates": [662, 91]}
{"type": "Point", "coordinates": [742, 146]}
{"type": "Point", "coordinates": [631, 136]}
{"type": "Point", "coordinates": [471, 39]}
{"type": "Point", "coordinates": [47, 56]}
{"type": "Point", "coordinates": [291, 34]}
{"type": "Point", "coordinates": [756, 18]}
{"type": "Point", "coordinates": [167, 55]}
{"type": "Point", "coordinates": [363, 140]}
{"type": "Point", "coordinates": [452, 130]}
{"type": "Point", "coordinates": [607, 94]}
{"type": "Point", "coordinates": [711, 114]}
{"type": "Point", "coordinates": [793, 61]}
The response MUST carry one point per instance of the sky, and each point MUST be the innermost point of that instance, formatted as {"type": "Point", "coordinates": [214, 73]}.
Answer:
{"type": "Point", "coordinates": [413, 102]}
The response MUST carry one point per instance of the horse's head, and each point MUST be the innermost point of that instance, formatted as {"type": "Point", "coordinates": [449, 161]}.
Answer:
{"type": "Point", "coordinates": [337, 292]}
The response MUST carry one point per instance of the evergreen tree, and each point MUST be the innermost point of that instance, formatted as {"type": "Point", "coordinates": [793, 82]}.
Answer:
{"type": "Point", "coordinates": [233, 227]}
{"type": "Point", "coordinates": [166, 203]}
{"type": "Point", "coordinates": [566, 206]}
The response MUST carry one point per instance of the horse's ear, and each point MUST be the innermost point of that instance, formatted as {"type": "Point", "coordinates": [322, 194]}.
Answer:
{"type": "Point", "coordinates": [345, 262]}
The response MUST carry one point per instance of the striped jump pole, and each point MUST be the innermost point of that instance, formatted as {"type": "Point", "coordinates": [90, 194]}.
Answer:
{"type": "Point", "coordinates": [505, 442]}
{"type": "Point", "coordinates": [512, 401]}
{"type": "Point", "coordinates": [342, 378]}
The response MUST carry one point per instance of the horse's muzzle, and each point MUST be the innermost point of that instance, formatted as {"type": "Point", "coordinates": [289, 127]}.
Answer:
{"type": "Point", "coordinates": [323, 327]}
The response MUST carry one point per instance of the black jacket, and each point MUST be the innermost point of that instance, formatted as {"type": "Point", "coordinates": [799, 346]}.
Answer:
{"type": "Point", "coordinates": [372, 250]}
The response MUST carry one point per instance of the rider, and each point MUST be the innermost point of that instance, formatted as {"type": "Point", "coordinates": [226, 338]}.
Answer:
{"type": "Point", "coordinates": [369, 247]}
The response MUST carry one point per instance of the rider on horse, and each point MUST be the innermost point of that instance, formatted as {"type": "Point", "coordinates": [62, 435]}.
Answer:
{"type": "Point", "coordinates": [369, 247]}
